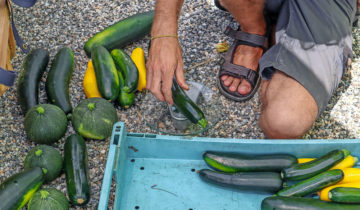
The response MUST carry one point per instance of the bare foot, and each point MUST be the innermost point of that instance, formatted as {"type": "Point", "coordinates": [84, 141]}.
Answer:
{"type": "Point", "coordinates": [248, 57]}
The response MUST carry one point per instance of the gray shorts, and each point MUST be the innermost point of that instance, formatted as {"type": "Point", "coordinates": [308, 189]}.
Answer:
{"type": "Point", "coordinates": [313, 44]}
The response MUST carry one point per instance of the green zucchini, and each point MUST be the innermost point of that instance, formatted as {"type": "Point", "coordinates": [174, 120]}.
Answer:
{"type": "Point", "coordinates": [345, 195]}
{"type": "Point", "coordinates": [314, 167]}
{"type": "Point", "coordinates": [313, 184]}
{"type": "Point", "coordinates": [57, 82]}
{"type": "Point", "coordinates": [122, 33]}
{"type": "Point", "coordinates": [186, 106]}
{"type": "Point", "coordinates": [299, 203]}
{"type": "Point", "coordinates": [249, 181]}
{"type": "Point", "coordinates": [128, 69]}
{"type": "Point", "coordinates": [33, 67]}
{"type": "Point", "coordinates": [126, 99]}
{"type": "Point", "coordinates": [106, 74]}
{"type": "Point", "coordinates": [236, 162]}
{"type": "Point", "coordinates": [17, 190]}
{"type": "Point", "coordinates": [76, 170]}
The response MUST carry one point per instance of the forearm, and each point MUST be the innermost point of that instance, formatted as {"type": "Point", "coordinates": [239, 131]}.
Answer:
{"type": "Point", "coordinates": [166, 17]}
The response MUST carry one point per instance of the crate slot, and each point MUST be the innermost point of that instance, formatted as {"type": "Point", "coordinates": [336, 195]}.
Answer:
{"type": "Point", "coordinates": [116, 139]}
{"type": "Point", "coordinates": [135, 134]}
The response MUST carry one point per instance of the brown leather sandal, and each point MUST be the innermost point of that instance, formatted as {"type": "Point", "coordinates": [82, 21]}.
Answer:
{"type": "Point", "coordinates": [238, 71]}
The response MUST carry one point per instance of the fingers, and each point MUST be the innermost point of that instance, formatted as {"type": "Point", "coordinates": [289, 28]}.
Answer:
{"type": "Point", "coordinates": [166, 87]}
{"type": "Point", "coordinates": [149, 71]}
{"type": "Point", "coordinates": [155, 87]}
{"type": "Point", "coordinates": [179, 74]}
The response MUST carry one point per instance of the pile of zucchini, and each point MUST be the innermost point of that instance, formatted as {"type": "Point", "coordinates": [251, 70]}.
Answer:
{"type": "Point", "coordinates": [330, 176]}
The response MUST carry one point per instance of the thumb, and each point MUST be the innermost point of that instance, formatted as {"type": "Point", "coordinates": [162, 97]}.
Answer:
{"type": "Point", "coordinates": [180, 78]}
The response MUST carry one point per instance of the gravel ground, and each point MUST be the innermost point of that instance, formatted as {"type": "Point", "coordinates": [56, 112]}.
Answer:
{"type": "Point", "coordinates": [54, 24]}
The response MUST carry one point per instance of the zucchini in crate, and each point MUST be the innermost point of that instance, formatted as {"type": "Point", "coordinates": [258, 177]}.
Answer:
{"type": "Point", "coordinates": [248, 181]}
{"type": "Point", "coordinates": [76, 170]}
{"type": "Point", "coordinates": [345, 195]}
{"type": "Point", "coordinates": [107, 78]}
{"type": "Point", "coordinates": [186, 106]}
{"type": "Point", "coordinates": [236, 162]}
{"type": "Point", "coordinates": [57, 82]}
{"type": "Point", "coordinates": [16, 190]}
{"type": "Point", "coordinates": [312, 168]}
{"type": "Point", "coordinates": [122, 33]}
{"type": "Point", "coordinates": [298, 203]}
{"type": "Point", "coordinates": [313, 184]}
{"type": "Point", "coordinates": [33, 68]}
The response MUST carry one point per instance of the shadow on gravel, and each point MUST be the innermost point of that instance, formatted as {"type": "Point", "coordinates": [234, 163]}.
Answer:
{"type": "Point", "coordinates": [325, 126]}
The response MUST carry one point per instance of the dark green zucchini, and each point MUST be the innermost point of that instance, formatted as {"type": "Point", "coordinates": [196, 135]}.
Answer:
{"type": "Point", "coordinates": [128, 69]}
{"type": "Point", "coordinates": [313, 184]}
{"type": "Point", "coordinates": [237, 162]}
{"type": "Point", "coordinates": [76, 170]}
{"type": "Point", "coordinates": [17, 190]}
{"type": "Point", "coordinates": [122, 33]}
{"type": "Point", "coordinates": [186, 106]}
{"type": "Point", "coordinates": [298, 203]}
{"type": "Point", "coordinates": [57, 82]}
{"type": "Point", "coordinates": [106, 74]}
{"type": "Point", "coordinates": [248, 181]}
{"type": "Point", "coordinates": [312, 168]}
{"type": "Point", "coordinates": [33, 67]}
{"type": "Point", "coordinates": [345, 195]}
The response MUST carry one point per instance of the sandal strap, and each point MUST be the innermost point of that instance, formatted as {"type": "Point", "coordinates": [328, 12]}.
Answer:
{"type": "Point", "coordinates": [240, 72]}
{"type": "Point", "coordinates": [247, 38]}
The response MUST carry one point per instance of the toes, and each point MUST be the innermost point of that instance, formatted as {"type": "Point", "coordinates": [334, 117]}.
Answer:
{"type": "Point", "coordinates": [224, 77]}
{"type": "Point", "coordinates": [234, 84]}
{"type": "Point", "coordinates": [228, 81]}
{"type": "Point", "coordinates": [244, 88]}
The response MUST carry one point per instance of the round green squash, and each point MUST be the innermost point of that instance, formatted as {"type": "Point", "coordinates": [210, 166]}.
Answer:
{"type": "Point", "coordinates": [45, 124]}
{"type": "Point", "coordinates": [47, 158]}
{"type": "Point", "coordinates": [48, 199]}
{"type": "Point", "coordinates": [94, 118]}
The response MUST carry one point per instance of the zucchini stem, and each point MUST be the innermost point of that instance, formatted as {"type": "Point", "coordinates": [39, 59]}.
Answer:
{"type": "Point", "coordinates": [38, 152]}
{"type": "Point", "coordinates": [40, 110]}
{"type": "Point", "coordinates": [44, 194]}
{"type": "Point", "coordinates": [345, 152]}
{"type": "Point", "coordinates": [202, 122]}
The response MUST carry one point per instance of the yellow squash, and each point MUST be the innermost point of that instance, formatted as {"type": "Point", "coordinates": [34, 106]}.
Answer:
{"type": "Point", "coordinates": [350, 175]}
{"type": "Point", "coordinates": [324, 193]}
{"type": "Point", "coordinates": [348, 162]}
{"type": "Point", "coordinates": [138, 57]}
{"type": "Point", "coordinates": [89, 82]}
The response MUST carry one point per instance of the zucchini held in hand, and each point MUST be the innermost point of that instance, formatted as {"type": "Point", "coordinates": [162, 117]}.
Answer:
{"type": "Point", "coordinates": [33, 67]}
{"type": "Point", "coordinates": [186, 106]}
{"type": "Point", "coordinates": [312, 168]}
{"type": "Point", "coordinates": [299, 203]}
{"type": "Point", "coordinates": [57, 82]}
{"type": "Point", "coordinates": [236, 162]}
{"type": "Point", "coordinates": [248, 181]}
{"type": "Point", "coordinates": [313, 184]}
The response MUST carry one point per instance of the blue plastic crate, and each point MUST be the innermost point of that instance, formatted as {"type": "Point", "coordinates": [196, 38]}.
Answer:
{"type": "Point", "coordinates": [155, 172]}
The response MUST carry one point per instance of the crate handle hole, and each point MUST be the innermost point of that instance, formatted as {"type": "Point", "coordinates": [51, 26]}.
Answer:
{"type": "Point", "coordinates": [190, 209]}
{"type": "Point", "coordinates": [137, 207]}
{"type": "Point", "coordinates": [132, 160]}
{"type": "Point", "coordinates": [193, 169]}
{"type": "Point", "coordinates": [142, 168]}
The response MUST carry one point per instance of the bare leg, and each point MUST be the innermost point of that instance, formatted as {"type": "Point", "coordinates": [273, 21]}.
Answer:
{"type": "Point", "coordinates": [288, 109]}
{"type": "Point", "coordinates": [250, 15]}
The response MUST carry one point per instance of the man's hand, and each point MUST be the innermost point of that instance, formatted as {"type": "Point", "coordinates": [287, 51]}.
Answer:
{"type": "Point", "coordinates": [165, 57]}
{"type": "Point", "coordinates": [165, 60]}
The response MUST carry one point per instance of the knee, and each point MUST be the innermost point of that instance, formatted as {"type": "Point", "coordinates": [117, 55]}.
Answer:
{"type": "Point", "coordinates": [281, 122]}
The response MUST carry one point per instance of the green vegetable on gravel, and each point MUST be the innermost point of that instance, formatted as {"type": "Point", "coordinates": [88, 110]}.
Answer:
{"type": "Point", "coordinates": [48, 199]}
{"type": "Point", "coordinates": [47, 158]}
{"type": "Point", "coordinates": [45, 124]}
